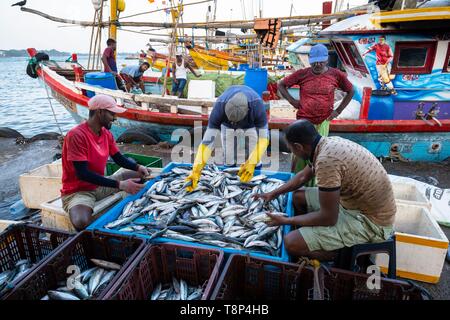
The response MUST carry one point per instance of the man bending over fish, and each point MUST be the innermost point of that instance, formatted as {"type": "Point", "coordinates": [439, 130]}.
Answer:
{"type": "Point", "coordinates": [239, 107]}
{"type": "Point", "coordinates": [353, 202]}
{"type": "Point", "coordinates": [85, 152]}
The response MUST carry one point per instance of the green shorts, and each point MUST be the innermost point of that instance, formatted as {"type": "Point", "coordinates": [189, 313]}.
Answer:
{"type": "Point", "coordinates": [89, 198]}
{"type": "Point", "coordinates": [352, 228]}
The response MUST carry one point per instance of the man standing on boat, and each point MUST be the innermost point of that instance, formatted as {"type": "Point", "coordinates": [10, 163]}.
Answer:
{"type": "Point", "coordinates": [238, 108]}
{"type": "Point", "coordinates": [353, 202]}
{"type": "Point", "coordinates": [109, 61]}
{"type": "Point", "coordinates": [318, 84]}
{"type": "Point", "coordinates": [179, 69]}
{"type": "Point", "coordinates": [383, 63]}
{"type": "Point", "coordinates": [132, 75]}
{"type": "Point", "coordinates": [85, 152]}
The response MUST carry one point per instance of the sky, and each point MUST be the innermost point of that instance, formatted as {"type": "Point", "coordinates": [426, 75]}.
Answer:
{"type": "Point", "coordinates": [20, 30]}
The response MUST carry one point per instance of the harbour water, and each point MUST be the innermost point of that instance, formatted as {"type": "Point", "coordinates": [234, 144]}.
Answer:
{"type": "Point", "coordinates": [24, 104]}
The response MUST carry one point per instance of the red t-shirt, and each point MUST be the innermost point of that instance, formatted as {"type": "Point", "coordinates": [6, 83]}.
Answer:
{"type": "Point", "coordinates": [82, 144]}
{"type": "Point", "coordinates": [383, 53]}
{"type": "Point", "coordinates": [317, 92]}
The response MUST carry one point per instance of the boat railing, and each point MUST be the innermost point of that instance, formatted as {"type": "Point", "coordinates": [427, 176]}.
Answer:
{"type": "Point", "coordinates": [151, 102]}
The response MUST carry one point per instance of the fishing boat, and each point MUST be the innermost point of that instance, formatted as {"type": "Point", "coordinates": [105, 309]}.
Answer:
{"type": "Point", "coordinates": [413, 124]}
{"type": "Point", "coordinates": [214, 59]}
{"type": "Point", "coordinates": [404, 111]}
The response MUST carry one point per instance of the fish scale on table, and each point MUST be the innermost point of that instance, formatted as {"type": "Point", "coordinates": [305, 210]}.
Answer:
{"type": "Point", "coordinates": [221, 204]}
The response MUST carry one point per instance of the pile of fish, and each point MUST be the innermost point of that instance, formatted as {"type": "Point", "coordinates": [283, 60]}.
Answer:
{"type": "Point", "coordinates": [87, 284]}
{"type": "Point", "coordinates": [21, 267]}
{"type": "Point", "coordinates": [221, 211]}
{"type": "Point", "coordinates": [177, 290]}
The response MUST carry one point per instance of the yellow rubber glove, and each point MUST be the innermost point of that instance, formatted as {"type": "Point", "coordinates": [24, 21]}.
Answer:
{"type": "Point", "coordinates": [203, 154]}
{"type": "Point", "coordinates": [248, 168]}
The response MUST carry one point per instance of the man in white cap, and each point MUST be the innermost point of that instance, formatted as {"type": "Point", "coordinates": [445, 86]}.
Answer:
{"type": "Point", "coordinates": [239, 107]}
{"type": "Point", "coordinates": [179, 70]}
{"type": "Point", "coordinates": [85, 152]}
{"type": "Point", "coordinates": [317, 86]}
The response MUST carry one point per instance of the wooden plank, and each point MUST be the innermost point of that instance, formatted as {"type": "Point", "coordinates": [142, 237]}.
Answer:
{"type": "Point", "coordinates": [147, 98]}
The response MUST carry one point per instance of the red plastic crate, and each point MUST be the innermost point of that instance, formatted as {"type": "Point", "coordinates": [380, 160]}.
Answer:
{"type": "Point", "coordinates": [159, 263]}
{"type": "Point", "coordinates": [30, 242]}
{"type": "Point", "coordinates": [246, 278]}
{"type": "Point", "coordinates": [78, 251]}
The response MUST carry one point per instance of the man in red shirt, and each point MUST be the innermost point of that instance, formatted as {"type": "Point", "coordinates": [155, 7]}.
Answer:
{"type": "Point", "coordinates": [85, 152]}
{"type": "Point", "coordinates": [317, 86]}
{"type": "Point", "coordinates": [109, 61]}
{"type": "Point", "coordinates": [383, 64]}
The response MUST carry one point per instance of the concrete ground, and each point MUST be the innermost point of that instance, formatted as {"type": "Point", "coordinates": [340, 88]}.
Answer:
{"type": "Point", "coordinates": [17, 159]}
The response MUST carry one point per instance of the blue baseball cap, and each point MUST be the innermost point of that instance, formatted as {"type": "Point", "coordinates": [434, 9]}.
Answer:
{"type": "Point", "coordinates": [318, 53]}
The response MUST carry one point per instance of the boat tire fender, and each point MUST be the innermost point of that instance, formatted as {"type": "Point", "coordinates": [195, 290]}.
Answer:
{"type": "Point", "coordinates": [33, 63]}
{"type": "Point", "coordinates": [9, 133]}
{"type": "Point", "coordinates": [133, 135]}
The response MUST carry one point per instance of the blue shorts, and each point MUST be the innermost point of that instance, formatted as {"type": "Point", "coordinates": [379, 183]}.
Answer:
{"type": "Point", "coordinates": [178, 87]}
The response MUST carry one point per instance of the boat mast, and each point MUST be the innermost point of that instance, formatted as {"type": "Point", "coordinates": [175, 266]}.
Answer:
{"type": "Point", "coordinates": [113, 17]}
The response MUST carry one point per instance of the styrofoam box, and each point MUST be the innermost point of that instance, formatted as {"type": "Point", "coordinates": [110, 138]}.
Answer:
{"type": "Point", "coordinates": [54, 216]}
{"type": "Point", "coordinates": [421, 245]}
{"type": "Point", "coordinates": [201, 89]}
{"type": "Point", "coordinates": [408, 193]}
{"type": "Point", "coordinates": [40, 185]}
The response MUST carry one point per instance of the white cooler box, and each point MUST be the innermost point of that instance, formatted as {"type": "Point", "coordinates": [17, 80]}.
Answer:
{"type": "Point", "coordinates": [421, 245]}
{"type": "Point", "coordinates": [41, 184]}
{"type": "Point", "coordinates": [408, 193]}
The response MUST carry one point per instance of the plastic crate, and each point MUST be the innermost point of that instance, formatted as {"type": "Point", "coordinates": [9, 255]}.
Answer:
{"type": "Point", "coordinates": [247, 278]}
{"type": "Point", "coordinates": [159, 263]}
{"type": "Point", "coordinates": [78, 251]}
{"type": "Point", "coordinates": [147, 161]}
{"type": "Point", "coordinates": [117, 210]}
{"type": "Point", "coordinates": [26, 241]}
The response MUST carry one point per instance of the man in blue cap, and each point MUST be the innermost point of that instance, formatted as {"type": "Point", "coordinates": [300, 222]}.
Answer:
{"type": "Point", "coordinates": [317, 86]}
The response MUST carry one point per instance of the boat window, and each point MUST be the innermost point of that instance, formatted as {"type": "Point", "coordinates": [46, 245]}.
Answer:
{"type": "Point", "coordinates": [414, 57]}
{"type": "Point", "coordinates": [341, 53]}
{"type": "Point", "coordinates": [349, 54]}
{"type": "Point", "coordinates": [447, 60]}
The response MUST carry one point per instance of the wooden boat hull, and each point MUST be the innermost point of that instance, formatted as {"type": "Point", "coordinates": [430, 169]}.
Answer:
{"type": "Point", "coordinates": [213, 59]}
{"type": "Point", "coordinates": [414, 140]}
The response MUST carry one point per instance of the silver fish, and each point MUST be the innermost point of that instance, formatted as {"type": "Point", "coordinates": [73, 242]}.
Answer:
{"type": "Point", "coordinates": [95, 280]}
{"type": "Point", "coordinates": [106, 264]}
{"type": "Point", "coordinates": [58, 295]}
{"type": "Point", "coordinates": [105, 279]}
{"type": "Point", "coordinates": [156, 292]}
{"type": "Point", "coordinates": [80, 290]}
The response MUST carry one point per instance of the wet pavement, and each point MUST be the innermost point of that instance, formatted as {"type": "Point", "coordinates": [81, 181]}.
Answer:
{"type": "Point", "coordinates": [17, 159]}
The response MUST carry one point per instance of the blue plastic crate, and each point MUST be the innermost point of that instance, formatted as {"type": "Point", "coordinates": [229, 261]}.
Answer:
{"type": "Point", "coordinates": [113, 213]}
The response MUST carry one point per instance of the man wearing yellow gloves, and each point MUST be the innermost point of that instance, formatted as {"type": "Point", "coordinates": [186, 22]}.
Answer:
{"type": "Point", "coordinates": [238, 108]}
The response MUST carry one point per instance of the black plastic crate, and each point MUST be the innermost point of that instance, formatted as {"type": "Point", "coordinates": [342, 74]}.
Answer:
{"type": "Point", "coordinates": [30, 242]}
{"type": "Point", "coordinates": [246, 278]}
{"type": "Point", "coordinates": [78, 251]}
{"type": "Point", "coordinates": [159, 263]}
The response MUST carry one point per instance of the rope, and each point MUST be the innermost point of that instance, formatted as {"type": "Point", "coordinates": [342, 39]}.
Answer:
{"type": "Point", "coordinates": [174, 7]}
{"type": "Point", "coordinates": [50, 102]}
